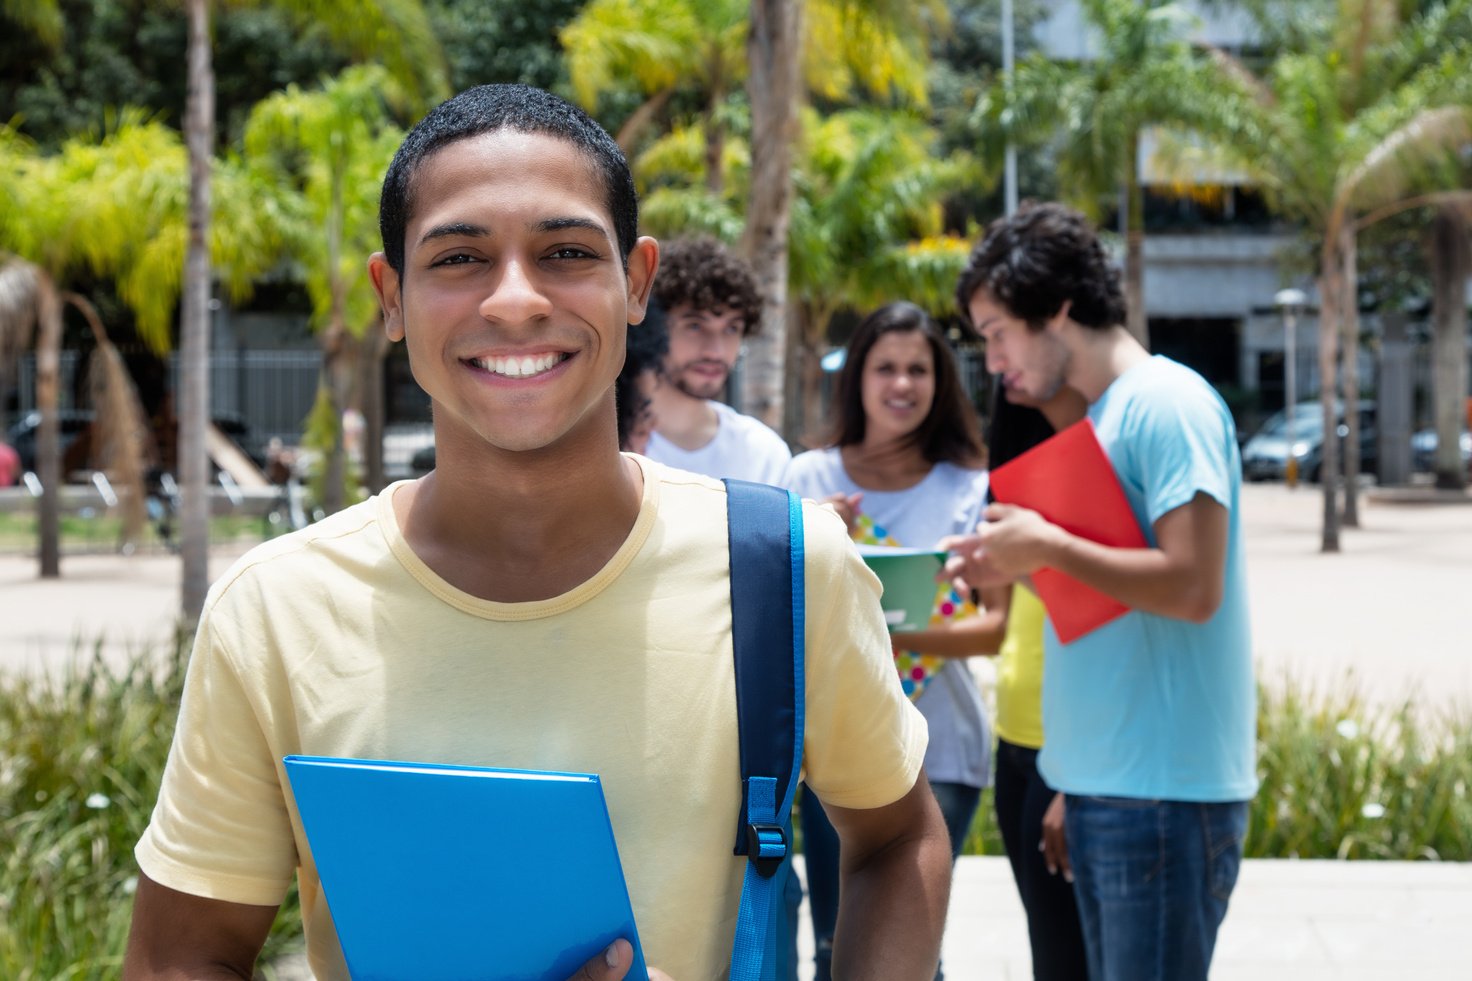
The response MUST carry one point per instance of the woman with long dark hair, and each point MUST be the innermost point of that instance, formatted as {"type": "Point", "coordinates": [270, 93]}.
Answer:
{"type": "Point", "coordinates": [904, 466]}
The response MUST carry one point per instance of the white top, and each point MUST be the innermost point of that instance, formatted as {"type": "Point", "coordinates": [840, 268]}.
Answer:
{"type": "Point", "coordinates": [743, 447]}
{"type": "Point", "coordinates": [947, 502]}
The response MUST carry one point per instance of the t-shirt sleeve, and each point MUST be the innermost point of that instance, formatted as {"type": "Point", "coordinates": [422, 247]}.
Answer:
{"type": "Point", "coordinates": [220, 828]}
{"type": "Point", "coordinates": [1184, 445]}
{"type": "Point", "coordinates": [865, 742]}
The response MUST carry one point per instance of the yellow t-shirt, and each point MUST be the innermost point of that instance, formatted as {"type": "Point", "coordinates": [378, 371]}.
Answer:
{"type": "Point", "coordinates": [1020, 672]}
{"type": "Point", "coordinates": [339, 641]}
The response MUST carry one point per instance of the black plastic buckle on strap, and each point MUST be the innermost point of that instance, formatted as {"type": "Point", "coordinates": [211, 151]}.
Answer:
{"type": "Point", "coordinates": [766, 847]}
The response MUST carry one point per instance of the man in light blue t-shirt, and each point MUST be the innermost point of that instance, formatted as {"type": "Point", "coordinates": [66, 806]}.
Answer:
{"type": "Point", "coordinates": [1149, 721]}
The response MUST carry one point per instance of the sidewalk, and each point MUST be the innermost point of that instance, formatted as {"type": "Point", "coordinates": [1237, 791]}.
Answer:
{"type": "Point", "coordinates": [1391, 609]}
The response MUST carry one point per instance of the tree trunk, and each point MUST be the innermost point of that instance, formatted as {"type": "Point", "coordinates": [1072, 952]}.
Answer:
{"type": "Point", "coordinates": [194, 331]}
{"type": "Point", "coordinates": [48, 436]}
{"type": "Point", "coordinates": [1134, 250]}
{"type": "Point", "coordinates": [375, 347]}
{"type": "Point", "coordinates": [1451, 262]}
{"type": "Point", "coordinates": [794, 389]}
{"type": "Point", "coordinates": [1330, 295]}
{"type": "Point", "coordinates": [639, 120]}
{"type": "Point", "coordinates": [773, 45]}
{"type": "Point", "coordinates": [1350, 330]}
{"type": "Point", "coordinates": [336, 378]}
{"type": "Point", "coordinates": [715, 135]}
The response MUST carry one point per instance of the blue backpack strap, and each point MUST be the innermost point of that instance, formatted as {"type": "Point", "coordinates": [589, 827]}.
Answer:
{"type": "Point", "coordinates": [767, 610]}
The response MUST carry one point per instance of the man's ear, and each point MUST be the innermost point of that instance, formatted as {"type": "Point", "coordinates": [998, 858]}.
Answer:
{"type": "Point", "coordinates": [386, 285]}
{"type": "Point", "coordinates": [1056, 322]}
{"type": "Point", "coordinates": [643, 263]}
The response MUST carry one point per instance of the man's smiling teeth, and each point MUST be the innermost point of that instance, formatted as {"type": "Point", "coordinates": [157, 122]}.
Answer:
{"type": "Point", "coordinates": [520, 367]}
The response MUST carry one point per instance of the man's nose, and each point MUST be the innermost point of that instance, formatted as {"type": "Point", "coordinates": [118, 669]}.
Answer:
{"type": "Point", "coordinates": [515, 296]}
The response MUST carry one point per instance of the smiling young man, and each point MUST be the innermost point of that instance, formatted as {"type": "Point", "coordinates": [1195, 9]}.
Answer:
{"type": "Point", "coordinates": [1150, 719]}
{"type": "Point", "coordinates": [713, 305]}
{"type": "Point", "coordinates": [538, 601]}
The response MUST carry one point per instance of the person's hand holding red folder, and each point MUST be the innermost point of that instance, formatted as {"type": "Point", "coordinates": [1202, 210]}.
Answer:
{"type": "Point", "coordinates": [1069, 527]}
{"type": "Point", "coordinates": [1061, 490]}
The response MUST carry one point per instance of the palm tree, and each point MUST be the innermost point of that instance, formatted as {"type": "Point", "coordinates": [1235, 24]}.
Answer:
{"type": "Point", "coordinates": [773, 89]}
{"type": "Point", "coordinates": [1145, 74]}
{"type": "Point", "coordinates": [395, 32]}
{"type": "Point", "coordinates": [331, 145]}
{"type": "Point", "coordinates": [114, 207]}
{"type": "Point", "coordinates": [866, 223]}
{"type": "Point", "coordinates": [831, 47]}
{"type": "Point", "coordinates": [1336, 135]}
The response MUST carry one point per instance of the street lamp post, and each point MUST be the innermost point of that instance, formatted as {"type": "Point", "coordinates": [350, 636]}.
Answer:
{"type": "Point", "coordinates": [1290, 302]}
{"type": "Point", "coordinates": [1009, 63]}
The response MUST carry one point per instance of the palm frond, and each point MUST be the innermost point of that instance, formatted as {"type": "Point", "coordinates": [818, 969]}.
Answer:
{"type": "Point", "coordinates": [1393, 168]}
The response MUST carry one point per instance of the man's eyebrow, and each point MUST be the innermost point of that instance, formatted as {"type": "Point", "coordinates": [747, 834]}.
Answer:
{"type": "Point", "coordinates": [453, 228]}
{"type": "Point", "coordinates": [570, 221]}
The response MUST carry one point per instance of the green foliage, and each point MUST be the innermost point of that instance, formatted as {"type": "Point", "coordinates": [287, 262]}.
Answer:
{"type": "Point", "coordinates": [82, 756]}
{"type": "Point", "coordinates": [111, 50]}
{"type": "Point", "coordinates": [113, 204]}
{"type": "Point", "coordinates": [1090, 114]}
{"type": "Point", "coordinates": [325, 150]}
{"type": "Point", "coordinates": [322, 432]}
{"type": "Point", "coordinates": [1345, 778]}
{"type": "Point", "coordinates": [1342, 778]}
{"type": "Point", "coordinates": [503, 40]}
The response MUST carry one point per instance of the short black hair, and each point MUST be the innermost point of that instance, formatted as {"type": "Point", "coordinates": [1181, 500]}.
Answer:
{"type": "Point", "coordinates": [1032, 261]}
{"type": "Point", "coordinates": [486, 109]}
{"type": "Point", "coordinates": [706, 274]}
{"type": "Point", "coordinates": [949, 432]}
{"type": "Point", "coordinates": [645, 347]}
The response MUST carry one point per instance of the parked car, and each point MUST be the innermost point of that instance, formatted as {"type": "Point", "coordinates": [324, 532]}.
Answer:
{"type": "Point", "coordinates": [1265, 454]}
{"type": "Point", "coordinates": [23, 432]}
{"type": "Point", "coordinates": [1423, 450]}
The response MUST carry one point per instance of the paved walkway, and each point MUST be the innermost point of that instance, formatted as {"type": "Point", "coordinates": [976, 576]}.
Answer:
{"type": "Point", "coordinates": [1391, 611]}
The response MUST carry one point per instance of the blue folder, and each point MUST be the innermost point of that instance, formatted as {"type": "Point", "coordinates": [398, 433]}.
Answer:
{"type": "Point", "coordinates": [453, 873]}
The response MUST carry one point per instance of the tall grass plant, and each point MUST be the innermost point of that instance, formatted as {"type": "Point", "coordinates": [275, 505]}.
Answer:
{"type": "Point", "coordinates": [81, 756]}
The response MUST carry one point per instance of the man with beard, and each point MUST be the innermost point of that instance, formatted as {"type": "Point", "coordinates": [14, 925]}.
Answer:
{"type": "Point", "coordinates": [711, 305]}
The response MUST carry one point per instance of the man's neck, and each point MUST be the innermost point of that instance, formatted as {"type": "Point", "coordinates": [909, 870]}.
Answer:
{"type": "Point", "coordinates": [519, 527]}
{"type": "Point", "coordinates": [684, 420]}
{"type": "Point", "coordinates": [1099, 357]}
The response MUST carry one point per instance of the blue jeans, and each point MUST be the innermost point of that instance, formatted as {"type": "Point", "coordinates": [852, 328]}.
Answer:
{"type": "Point", "coordinates": [958, 804]}
{"type": "Point", "coordinates": [1152, 879]}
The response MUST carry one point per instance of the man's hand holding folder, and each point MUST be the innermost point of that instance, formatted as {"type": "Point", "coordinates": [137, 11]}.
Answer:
{"type": "Point", "coordinates": [613, 965]}
{"type": "Point", "coordinates": [1059, 499]}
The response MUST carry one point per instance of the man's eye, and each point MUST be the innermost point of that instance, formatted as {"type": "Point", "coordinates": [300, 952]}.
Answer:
{"type": "Point", "coordinates": [571, 252]}
{"type": "Point", "coordinates": [458, 259]}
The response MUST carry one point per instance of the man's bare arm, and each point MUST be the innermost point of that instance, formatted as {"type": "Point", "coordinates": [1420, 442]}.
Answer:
{"type": "Point", "coordinates": [895, 884]}
{"type": "Point", "coordinates": [176, 936]}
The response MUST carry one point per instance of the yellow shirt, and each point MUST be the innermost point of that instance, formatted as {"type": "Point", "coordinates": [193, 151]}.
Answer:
{"type": "Point", "coordinates": [339, 641]}
{"type": "Point", "coordinates": [1020, 672]}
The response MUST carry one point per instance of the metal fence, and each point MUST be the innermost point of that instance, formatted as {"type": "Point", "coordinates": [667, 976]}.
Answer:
{"type": "Point", "coordinates": [272, 390]}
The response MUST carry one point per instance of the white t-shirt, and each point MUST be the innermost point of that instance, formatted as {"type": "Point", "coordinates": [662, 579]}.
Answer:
{"type": "Point", "coordinates": [339, 641]}
{"type": "Point", "coordinates": [948, 501]}
{"type": "Point", "coordinates": [743, 447]}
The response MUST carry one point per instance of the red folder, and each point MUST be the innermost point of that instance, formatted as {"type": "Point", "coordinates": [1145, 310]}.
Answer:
{"type": "Point", "coordinates": [1069, 481]}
